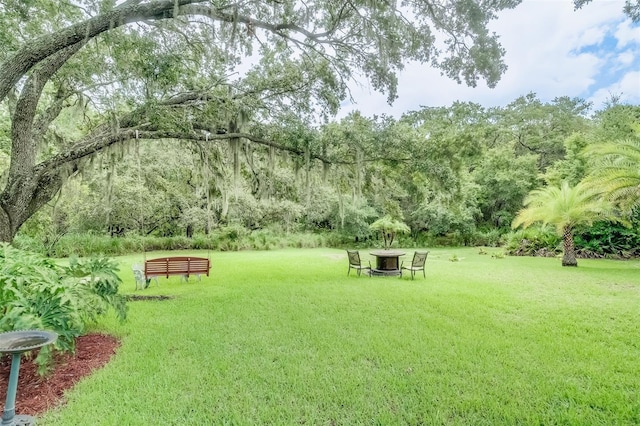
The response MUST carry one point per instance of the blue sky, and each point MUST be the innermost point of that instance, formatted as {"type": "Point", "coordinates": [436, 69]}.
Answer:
{"type": "Point", "coordinates": [552, 50]}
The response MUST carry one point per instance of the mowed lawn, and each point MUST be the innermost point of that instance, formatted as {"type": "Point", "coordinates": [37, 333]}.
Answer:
{"type": "Point", "coordinates": [284, 337]}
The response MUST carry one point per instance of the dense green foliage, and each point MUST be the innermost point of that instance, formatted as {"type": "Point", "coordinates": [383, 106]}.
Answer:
{"type": "Point", "coordinates": [606, 239]}
{"type": "Point", "coordinates": [463, 184]}
{"type": "Point", "coordinates": [142, 118]}
{"type": "Point", "coordinates": [151, 102]}
{"type": "Point", "coordinates": [229, 238]}
{"type": "Point", "coordinates": [87, 80]}
{"type": "Point", "coordinates": [541, 241]}
{"type": "Point", "coordinates": [284, 337]}
{"type": "Point", "coordinates": [38, 293]}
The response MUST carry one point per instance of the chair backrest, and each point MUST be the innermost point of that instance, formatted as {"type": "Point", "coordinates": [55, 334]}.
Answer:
{"type": "Point", "coordinates": [419, 258]}
{"type": "Point", "coordinates": [354, 257]}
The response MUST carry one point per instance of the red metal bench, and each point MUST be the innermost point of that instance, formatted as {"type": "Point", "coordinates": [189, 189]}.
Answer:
{"type": "Point", "coordinates": [183, 266]}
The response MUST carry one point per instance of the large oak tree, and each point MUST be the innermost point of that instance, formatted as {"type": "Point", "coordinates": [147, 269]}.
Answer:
{"type": "Point", "coordinates": [172, 69]}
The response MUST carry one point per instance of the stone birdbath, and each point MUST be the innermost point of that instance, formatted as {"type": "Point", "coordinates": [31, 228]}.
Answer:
{"type": "Point", "coordinates": [15, 343]}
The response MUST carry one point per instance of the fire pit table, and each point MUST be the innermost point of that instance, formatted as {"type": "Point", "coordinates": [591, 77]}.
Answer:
{"type": "Point", "coordinates": [15, 343]}
{"type": "Point", "coordinates": [387, 262]}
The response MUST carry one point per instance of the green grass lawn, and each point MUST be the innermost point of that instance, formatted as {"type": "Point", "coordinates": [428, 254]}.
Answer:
{"type": "Point", "coordinates": [285, 337]}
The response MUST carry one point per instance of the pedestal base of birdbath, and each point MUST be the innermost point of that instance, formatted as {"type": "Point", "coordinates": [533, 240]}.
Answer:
{"type": "Point", "coordinates": [21, 420]}
{"type": "Point", "coordinates": [15, 343]}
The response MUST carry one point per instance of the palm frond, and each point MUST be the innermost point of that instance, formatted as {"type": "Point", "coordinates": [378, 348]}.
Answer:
{"type": "Point", "coordinates": [563, 206]}
{"type": "Point", "coordinates": [616, 171]}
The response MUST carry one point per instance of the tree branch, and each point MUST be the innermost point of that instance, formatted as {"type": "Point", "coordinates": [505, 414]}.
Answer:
{"type": "Point", "coordinates": [44, 119]}
{"type": "Point", "coordinates": [32, 53]}
{"type": "Point", "coordinates": [23, 142]}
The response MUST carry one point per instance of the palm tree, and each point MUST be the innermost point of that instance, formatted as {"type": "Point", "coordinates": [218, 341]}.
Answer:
{"type": "Point", "coordinates": [565, 207]}
{"type": "Point", "coordinates": [616, 171]}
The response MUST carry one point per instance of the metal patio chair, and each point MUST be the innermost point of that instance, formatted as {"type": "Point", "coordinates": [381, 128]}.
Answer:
{"type": "Point", "coordinates": [417, 263]}
{"type": "Point", "coordinates": [355, 262]}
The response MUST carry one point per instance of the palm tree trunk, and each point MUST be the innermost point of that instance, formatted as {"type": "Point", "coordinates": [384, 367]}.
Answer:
{"type": "Point", "coordinates": [569, 256]}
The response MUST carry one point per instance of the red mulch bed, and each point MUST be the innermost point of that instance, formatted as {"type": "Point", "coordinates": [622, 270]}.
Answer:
{"type": "Point", "coordinates": [37, 394]}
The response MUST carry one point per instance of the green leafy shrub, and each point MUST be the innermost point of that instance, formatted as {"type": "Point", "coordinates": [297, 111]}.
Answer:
{"type": "Point", "coordinates": [488, 238]}
{"type": "Point", "coordinates": [609, 239]}
{"type": "Point", "coordinates": [99, 275]}
{"type": "Point", "coordinates": [232, 233]}
{"type": "Point", "coordinates": [451, 239]}
{"type": "Point", "coordinates": [603, 239]}
{"type": "Point", "coordinates": [533, 241]}
{"type": "Point", "coordinates": [37, 293]}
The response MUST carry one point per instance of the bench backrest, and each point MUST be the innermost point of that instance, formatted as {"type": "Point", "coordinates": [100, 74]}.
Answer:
{"type": "Point", "coordinates": [176, 266]}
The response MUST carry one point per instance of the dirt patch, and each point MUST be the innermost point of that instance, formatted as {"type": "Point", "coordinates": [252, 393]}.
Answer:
{"type": "Point", "coordinates": [136, 297]}
{"type": "Point", "coordinates": [38, 394]}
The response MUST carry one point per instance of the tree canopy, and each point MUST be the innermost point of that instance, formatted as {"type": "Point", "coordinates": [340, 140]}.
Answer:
{"type": "Point", "coordinates": [171, 69]}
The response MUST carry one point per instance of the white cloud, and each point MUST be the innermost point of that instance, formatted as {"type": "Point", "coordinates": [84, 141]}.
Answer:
{"type": "Point", "coordinates": [627, 34]}
{"type": "Point", "coordinates": [591, 36]}
{"type": "Point", "coordinates": [625, 59]}
{"type": "Point", "coordinates": [628, 88]}
{"type": "Point", "coordinates": [543, 41]}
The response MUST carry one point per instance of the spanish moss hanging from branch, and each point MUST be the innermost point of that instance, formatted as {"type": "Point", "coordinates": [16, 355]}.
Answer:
{"type": "Point", "coordinates": [140, 181]}
{"type": "Point", "coordinates": [325, 165]}
{"type": "Point", "coordinates": [271, 170]}
{"type": "Point", "coordinates": [234, 144]}
{"type": "Point", "coordinates": [207, 187]}
{"type": "Point", "coordinates": [307, 167]}
{"type": "Point", "coordinates": [358, 174]}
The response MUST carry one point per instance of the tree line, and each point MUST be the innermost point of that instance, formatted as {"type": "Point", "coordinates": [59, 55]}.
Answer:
{"type": "Point", "coordinates": [456, 174]}
{"type": "Point", "coordinates": [113, 92]}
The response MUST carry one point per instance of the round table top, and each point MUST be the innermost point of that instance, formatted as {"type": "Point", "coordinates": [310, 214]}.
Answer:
{"type": "Point", "coordinates": [387, 253]}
